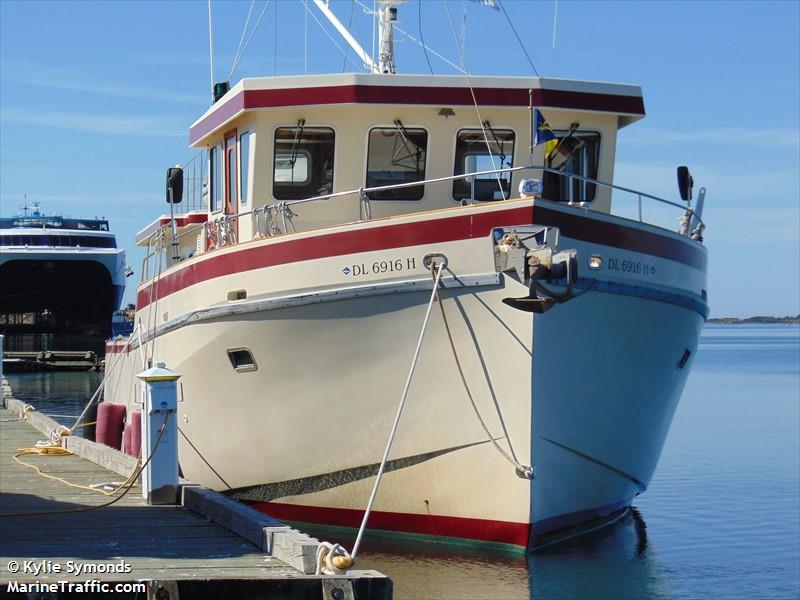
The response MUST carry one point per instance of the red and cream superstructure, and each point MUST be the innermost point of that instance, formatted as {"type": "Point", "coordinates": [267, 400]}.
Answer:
{"type": "Point", "coordinates": [292, 305]}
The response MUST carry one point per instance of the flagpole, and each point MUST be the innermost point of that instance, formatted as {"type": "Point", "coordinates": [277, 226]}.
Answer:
{"type": "Point", "coordinates": [530, 109]}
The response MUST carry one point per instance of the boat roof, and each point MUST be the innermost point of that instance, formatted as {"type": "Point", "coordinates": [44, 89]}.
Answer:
{"type": "Point", "coordinates": [40, 222]}
{"type": "Point", "coordinates": [257, 93]}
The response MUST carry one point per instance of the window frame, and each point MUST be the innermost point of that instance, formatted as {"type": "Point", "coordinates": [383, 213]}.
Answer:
{"type": "Point", "coordinates": [315, 126]}
{"type": "Point", "coordinates": [583, 186]}
{"type": "Point", "coordinates": [512, 155]}
{"type": "Point", "coordinates": [425, 165]}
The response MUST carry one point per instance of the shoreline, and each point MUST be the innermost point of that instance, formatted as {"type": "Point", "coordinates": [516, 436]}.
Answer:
{"type": "Point", "coordinates": [755, 320]}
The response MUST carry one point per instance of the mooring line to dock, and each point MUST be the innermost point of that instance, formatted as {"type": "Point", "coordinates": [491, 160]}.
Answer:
{"type": "Point", "coordinates": [333, 559]}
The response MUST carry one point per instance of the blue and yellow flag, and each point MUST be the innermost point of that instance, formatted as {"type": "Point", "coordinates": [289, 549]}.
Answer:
{"type": "Point", "coordinates": [543, 133]}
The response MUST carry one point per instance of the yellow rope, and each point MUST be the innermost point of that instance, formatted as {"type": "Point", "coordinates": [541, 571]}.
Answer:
{"type": "Point", "coordinates": [57, 451]}
{"type": "Point", "coordinates": [127, 485]}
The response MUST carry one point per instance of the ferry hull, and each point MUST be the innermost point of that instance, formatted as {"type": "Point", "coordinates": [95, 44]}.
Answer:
{"type": "Point", "coordinates": [59, 299]}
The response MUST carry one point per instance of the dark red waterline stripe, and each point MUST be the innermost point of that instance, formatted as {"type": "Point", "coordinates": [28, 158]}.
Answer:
{"type": "Point", "coordinates": [485, 530]}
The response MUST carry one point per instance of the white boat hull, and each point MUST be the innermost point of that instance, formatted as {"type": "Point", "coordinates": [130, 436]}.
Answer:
{"type": "Point", "coordinates": [587, 391]}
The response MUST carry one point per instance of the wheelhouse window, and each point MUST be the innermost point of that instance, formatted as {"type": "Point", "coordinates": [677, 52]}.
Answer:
{"type": "Point", "coordinates": [303, 163]}
{"type": "Point", "coordinates": [396, 155]}
{"type": "Point", "coordinates": [244, 166]}
{"type": "Point", "coordinates": [575, 154]}
{"type": "Point", "coordinates": [215, 158]}
{"type": "Point", "coordinates": [483, 150]}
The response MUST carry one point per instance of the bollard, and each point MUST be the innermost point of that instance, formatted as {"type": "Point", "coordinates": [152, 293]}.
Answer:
{"type": "Point", "coordinates": [159, 398]}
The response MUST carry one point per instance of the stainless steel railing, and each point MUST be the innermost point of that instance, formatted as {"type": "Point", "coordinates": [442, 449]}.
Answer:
{"type": "Point", "coordinates": [277, 218]}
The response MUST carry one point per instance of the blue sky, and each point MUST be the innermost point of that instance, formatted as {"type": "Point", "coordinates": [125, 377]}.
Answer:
{"type": "Point", "coordinates": [96, 99]}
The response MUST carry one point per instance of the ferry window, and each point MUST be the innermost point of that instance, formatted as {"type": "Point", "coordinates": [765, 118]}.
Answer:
{"type": "Point", "coordinates": [576, 154]}
{"type": "Point", "coordinates": [303, 163]}
{"type": "Point", "coordinates": [396, 155]}
{"type": "Point", "coordinates": [474, 154]}
{"type": "Point", "coordinates": [215, 157]}
{"type": "Point", "coordinates": [244, 165]}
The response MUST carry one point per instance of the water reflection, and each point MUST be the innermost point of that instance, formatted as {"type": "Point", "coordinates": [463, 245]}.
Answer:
{"type": "Point", "coordinates": [615, 563]}
{"type": "Point", "coordinates": [60, 395]}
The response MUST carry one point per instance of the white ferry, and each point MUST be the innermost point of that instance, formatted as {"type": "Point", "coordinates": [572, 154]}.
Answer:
{"type": "Point", "coordinates": [60, 279]}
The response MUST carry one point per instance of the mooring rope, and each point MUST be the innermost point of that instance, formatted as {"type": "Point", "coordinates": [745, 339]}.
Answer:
{"type": "Point", "coordinates": [333, 559]}
{"type": "Point", "coordinates": [521, 470]}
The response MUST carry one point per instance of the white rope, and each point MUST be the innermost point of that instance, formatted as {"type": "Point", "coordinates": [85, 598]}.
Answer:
{"type": "Point", "coordinates": [241, 39]}
{"type": "Point", "coordinates": [250, 37]}
{"type": "Point", "coordinates": [325, 31]}
{"type": "Point", "coordinates": [328, 555]}
{"type": "Point", "coordinates": [474, 99]}
{"type": "Point", "coordinates": [399, 413]}
{"type": "Point", "coordinates": [523, 471]}
{"type": "Point", "coordinates": [415, 40]}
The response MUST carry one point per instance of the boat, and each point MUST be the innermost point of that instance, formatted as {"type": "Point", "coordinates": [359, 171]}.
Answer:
{"type": "Point", "coordinates": [473, 219]}
{"type": "Point", "coordinates": [62, 278]}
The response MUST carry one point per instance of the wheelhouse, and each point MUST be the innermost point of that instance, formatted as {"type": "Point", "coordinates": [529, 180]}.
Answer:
{"type": "Point", "coordinates": [269, 144]}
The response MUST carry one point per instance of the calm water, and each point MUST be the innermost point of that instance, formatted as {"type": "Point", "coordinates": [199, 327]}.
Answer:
{"type": "Point", "coordinates": [721, 518]}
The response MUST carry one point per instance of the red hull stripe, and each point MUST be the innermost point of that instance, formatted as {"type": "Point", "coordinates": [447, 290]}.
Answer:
{"type": "Point", "coordinates": [413, 95]}
{"type": "Point", "coordinates": [577, 227]}
{"type": "Point", "coordinates": [361, 239]}
{"type": "Point", "coordinates": [368, 239]}
{"type": "Point", "coordinates": [504, 532]}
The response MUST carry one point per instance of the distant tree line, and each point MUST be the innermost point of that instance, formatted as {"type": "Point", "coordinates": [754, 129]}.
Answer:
{"type": "Point", "coordinates": [734, 320]}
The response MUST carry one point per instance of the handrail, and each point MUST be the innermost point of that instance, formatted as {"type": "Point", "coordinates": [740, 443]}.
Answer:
{"type": "Point", "coordinates": [284, 206]}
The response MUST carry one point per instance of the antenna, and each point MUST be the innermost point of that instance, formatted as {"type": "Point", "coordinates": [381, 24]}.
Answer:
{"type": "Point", "coordinates": [555, 24]}
{"type": "Point", "coordinates": [211, 49]}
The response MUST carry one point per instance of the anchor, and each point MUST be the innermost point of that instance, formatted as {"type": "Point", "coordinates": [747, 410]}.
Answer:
{"type": "Point", "coordinates": [543, 265]}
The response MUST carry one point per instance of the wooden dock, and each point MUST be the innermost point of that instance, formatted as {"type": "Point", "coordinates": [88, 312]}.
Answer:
{"type": "Point", "coordinates": [51, 360]}
{"type": "Point", "coordinates": [174, 550]}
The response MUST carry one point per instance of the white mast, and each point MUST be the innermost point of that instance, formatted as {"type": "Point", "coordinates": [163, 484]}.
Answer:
{"type": "Point", "coordinates": [387, 15]}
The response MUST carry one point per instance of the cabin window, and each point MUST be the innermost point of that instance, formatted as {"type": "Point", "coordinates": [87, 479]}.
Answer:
{"type": "Point", "coordinates": [474, 154]}
{"type": "Point", "coordinates": [217, 198]}
{"type": "Point", "coordinates": [576, 154]}
{"type": "Point", "coordinates": [244, 166]}
{"type": "Point", "coordinates": [303, 163]}
{"type": "Point", "coordinates": [396, 155]}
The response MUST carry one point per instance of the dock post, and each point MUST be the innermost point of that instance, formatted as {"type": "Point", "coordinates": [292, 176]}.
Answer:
{"type": "Point", "coordinates": [159, 446]}
{"type": "Point", "coordinates": [1, 361]}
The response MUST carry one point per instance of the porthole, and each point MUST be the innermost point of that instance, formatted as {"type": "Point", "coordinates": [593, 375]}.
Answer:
{"type": "Point", "coordinates": [242, 360]}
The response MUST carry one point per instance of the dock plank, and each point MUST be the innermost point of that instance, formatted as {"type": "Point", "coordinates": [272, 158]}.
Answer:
{"type": "Point", "coordinates": [159, 543]}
